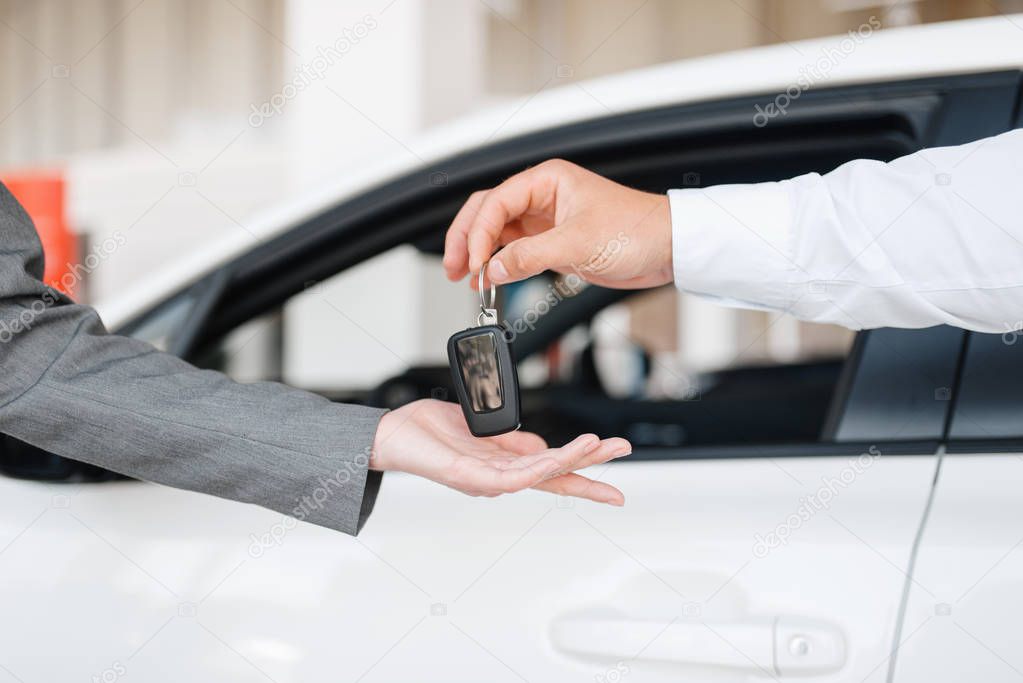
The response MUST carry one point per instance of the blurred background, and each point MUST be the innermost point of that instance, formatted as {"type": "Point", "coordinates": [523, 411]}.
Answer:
{"type": "Point", "coordinates": [145, 120]}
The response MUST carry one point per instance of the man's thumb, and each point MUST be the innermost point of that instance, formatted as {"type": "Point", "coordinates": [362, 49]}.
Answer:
{"type": "Point", "coordinates": [528, 256]}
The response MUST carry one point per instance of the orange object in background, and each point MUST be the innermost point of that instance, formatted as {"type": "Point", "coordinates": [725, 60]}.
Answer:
{"type": "Point", "coordinates": [42, 195]}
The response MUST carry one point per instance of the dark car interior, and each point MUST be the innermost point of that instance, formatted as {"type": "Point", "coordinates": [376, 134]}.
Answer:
{"type": "Point", "coordinates": [742, 404]}
{"type": "Point", "coordinates": [830, 404]}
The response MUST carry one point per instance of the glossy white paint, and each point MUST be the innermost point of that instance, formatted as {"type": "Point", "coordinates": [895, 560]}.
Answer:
{"type": "Point", "coordinates": [931, 50]}
{"type": "Point", "coordinates": [172, 586]}
{"type": "Point", "coordinates": [963, 620]}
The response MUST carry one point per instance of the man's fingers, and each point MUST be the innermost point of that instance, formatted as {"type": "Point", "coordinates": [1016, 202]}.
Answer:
{"type": "Point", "coordinates": [529, 256]}
{"type": "Point", "coordinates": [533, 190]}
{"type": "Point", "coordinates": [578, 486]}
{"type": "Point", "coordinates": [456, 249]}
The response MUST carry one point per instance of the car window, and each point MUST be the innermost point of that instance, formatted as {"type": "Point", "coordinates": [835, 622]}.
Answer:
{"type": "Point", "coordinates": [669, 370]}
{"type": "Point", "coordinates": [903, 386]}
{"type": "Point", "coordinates": [665, 369]}
{"type": "Point", "coordinates": [354, 330]}
{"type": "Point", "coordinates": [160, 328]}
{"type": "Point", "coordinates": [345, 336]}
{"type": "Point", "coordinates": [989, 401]}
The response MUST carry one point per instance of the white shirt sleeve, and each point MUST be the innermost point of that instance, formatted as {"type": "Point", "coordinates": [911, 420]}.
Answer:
{"type": "Point", "coordinates": [933, 237]}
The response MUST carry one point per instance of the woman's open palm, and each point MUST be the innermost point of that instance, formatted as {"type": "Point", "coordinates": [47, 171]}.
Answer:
{"type": "Point", "coordinates": [430, 438]}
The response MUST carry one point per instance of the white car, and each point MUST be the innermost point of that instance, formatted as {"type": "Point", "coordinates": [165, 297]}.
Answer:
{"type": "Point", "coordinates": [848, 519]}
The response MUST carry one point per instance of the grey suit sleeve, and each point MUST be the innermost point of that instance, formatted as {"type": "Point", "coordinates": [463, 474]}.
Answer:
{"type": "Point", "coordinates": [72, 389]}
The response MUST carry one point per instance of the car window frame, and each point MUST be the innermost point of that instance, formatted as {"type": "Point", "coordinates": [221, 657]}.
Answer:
{"type": "Point", "coordinates": [981, 389]}
{"type": "Point", "coordinates": [930, 111]}
{"type": "Point", "coordinates": [944, 110]}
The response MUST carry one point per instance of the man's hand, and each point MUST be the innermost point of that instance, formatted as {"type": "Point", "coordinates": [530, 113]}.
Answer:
{"type": "Point", "coordinates": [430, 439]}
{"type": "Point", "coordinates": [559, 216]}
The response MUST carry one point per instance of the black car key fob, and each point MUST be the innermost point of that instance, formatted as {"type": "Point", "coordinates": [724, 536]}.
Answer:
{"type": "Point", "coordinates": [484, 373]}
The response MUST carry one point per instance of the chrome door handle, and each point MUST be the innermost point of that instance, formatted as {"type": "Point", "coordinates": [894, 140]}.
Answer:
{"type": "Point", "coordinates": [782, 646]}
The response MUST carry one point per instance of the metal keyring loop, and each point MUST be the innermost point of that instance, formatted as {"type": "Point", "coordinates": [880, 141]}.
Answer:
{"type": "Point", "coordinates": [484, 306]}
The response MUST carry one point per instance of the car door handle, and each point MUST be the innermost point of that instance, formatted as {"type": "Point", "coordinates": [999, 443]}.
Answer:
{"type": "Point", "coordinates": [782, 646]}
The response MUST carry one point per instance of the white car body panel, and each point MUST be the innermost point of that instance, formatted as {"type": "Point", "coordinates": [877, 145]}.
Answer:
{"type": "Point", "coordinates": [171, 586]}
{"type": "Point", "coordinates": [963, 612]}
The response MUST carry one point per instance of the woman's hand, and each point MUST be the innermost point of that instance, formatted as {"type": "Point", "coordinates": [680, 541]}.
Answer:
{"type": "Point", "coordinates": [559, 216]}
{"type": "Point", "coordinates": [430, 438]}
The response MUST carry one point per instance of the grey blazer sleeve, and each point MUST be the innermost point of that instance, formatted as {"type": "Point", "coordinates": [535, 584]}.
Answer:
{"type": "Point", "coordinates": [72, 389]}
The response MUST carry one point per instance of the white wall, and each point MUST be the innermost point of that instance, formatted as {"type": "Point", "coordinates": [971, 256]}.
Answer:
{"type": "Point", "coordinates": [152, 109]}
{"type": "Point", "coordinates": [397, 310]}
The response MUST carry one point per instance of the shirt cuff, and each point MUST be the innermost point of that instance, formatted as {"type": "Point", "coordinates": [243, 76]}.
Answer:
{"type": "Point", "coordinates": [733, 243]}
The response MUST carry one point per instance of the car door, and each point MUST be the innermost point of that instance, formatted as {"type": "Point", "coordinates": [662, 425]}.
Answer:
{"type": "Point", "coordinates": [961, 610]}
{"type": "Point", "coordinates": [737, 556]}
{"type": "Point", "coordinates": [729, 562]}
{"type": "Point", "coordinates": [962, 614]}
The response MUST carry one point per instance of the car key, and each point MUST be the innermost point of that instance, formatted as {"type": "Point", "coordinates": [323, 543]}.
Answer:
{"type": "Point", "coordinates": [483, 371]}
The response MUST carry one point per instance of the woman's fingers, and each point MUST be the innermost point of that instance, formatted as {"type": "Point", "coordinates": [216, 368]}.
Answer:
{"type": "Point", "coordinates": [543, 476]}
{"type": "Point", "coordinates": [609, 449]}
{"type": "Point", "coordinates": [533, 465]}
{"type": "Point", "coordinates": [527, 470]}
{"type": "Point", "coordinates": [584, 451]}
{"type": "Point", "coordinates": [578, 486]}
{"type": "Point", "coordinates": [566, 457]}
{"type": "Point", "coordinates": [492, 480]}
{"type": "Point", "coordinates": [532, 448]}
{"type": "Point", "coordinates": [521, 443]}
{"type": "Point", "coordinates": [574, 459]}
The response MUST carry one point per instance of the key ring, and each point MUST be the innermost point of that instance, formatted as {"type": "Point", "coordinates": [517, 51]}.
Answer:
{"type": "Point", "coordinates": [483, 369]}
{"type": "Point", "coordinates": [487, 310]}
